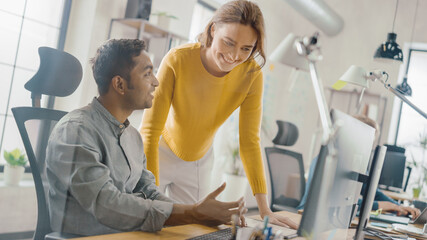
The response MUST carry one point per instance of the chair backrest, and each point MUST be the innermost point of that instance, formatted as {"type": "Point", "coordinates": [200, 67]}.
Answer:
{"type": "Point", "coordinates": [59, 74]}
{"type": "Point", "coordinates": [43, 118]}
{"type": "Point", "coordinates": [287, 133]}
{"type": "Point", "coordinates": [287, 178]}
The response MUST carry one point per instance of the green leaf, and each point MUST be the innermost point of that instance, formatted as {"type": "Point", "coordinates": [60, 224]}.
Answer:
{"type": "Point", "coordinates": [16, 153]}
{"type": "Point", "coordinates": [15, 157]}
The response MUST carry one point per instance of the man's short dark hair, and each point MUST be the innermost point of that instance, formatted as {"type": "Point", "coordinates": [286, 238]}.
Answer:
{"type": "Point", "coordinates": [115, 58]}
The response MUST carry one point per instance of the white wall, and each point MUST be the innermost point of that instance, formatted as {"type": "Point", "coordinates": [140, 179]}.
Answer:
{"type": "Point", "coordinates": [367, 23]}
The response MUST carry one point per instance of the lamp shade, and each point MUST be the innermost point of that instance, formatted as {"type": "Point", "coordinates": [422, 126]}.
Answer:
{"type": "Point", "coordinates": [404, 87]}
{"type": "Point", "coordinates": [389, 49]}
{"type": "Point", "coordinates": [354, 75]}
{"type": "Point", "coordinates": [286, 53]}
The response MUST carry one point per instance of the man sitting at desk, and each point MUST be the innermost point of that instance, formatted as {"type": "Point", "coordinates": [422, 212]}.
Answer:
{"type": "Point", "coordinates": [96, 167]}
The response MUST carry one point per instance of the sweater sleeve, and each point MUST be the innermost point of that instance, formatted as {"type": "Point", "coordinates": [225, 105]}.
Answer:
{"type": "Point", "coordinates": [153, 120]}
{"type": "Point", "coordinates": [249, 131]}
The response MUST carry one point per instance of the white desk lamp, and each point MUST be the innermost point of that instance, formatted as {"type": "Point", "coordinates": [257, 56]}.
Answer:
{"type": "Point", "coordinates": [359, 76]}
{"type": "Point", "coordinates": [302, 53]}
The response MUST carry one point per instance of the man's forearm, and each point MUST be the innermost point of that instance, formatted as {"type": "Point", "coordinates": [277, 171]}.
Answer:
{"type": "Point", "coordinates": [181, 214]}
{"type": "Point", "coordinates": [188, 214]}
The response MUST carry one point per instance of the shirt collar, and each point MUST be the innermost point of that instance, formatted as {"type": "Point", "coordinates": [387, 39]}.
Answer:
{"type": "Point", "coordinates": [118, 127]}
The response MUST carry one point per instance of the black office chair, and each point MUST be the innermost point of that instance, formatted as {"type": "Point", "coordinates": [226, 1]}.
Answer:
{"type": "Point", "coordinates": [59, 74]}
{"type": "Point", "coordinates": [286, 170]}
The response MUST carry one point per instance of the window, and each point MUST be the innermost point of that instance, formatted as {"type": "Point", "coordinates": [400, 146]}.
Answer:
{"type": "Point", "coordinates": [201, 15]}
{"type": "Point", "coordinates": [410, 124]}
{"type": "Point", "coordinates": [25, 26]}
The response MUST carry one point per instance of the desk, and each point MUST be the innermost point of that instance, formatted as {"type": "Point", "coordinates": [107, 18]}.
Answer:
{"type": "Point", "coordinates": [188, 231]}
{"type": "Point", "coordinates": [169, 233]}
{"type": "Point", "coordinates": [399, 196]}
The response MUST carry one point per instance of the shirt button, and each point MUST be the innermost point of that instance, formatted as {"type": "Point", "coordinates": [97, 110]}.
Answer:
{"type": "Point", "coordinates": [121, 126]}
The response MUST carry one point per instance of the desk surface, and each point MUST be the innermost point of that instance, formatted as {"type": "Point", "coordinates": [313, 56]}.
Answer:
{"type": "Point", "coordinates": [169, 233]}
{"type": "Point", "coordinates": [188, 231]}
{"type": "Point", "coordinates": [399, 196]}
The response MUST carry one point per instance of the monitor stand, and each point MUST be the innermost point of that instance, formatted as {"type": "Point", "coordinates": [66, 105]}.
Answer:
{"type": "Point", "coordinates": [390, 189]}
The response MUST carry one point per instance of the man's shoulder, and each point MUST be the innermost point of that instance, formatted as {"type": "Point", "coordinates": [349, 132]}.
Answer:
{"type": "Point", "coordinates": [82, 117]}
{"type": "Point", "coordinates": [78, 115]}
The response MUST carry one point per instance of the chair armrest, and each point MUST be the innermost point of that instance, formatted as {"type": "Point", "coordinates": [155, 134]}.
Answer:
{"type": "Point", "coordinates": [58, 236]}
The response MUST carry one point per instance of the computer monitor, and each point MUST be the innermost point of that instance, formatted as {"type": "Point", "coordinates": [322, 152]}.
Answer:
{"type": "Point", "coordinates": [335, 189]}
{"type": "Point", "coordinates": [393, 171]}
{"type": "Point", "coordinates": [371, 189]}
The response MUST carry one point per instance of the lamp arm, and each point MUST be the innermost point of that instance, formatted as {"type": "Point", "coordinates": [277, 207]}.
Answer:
{"type": "Point", "coordinates": [308, 48]}
{"type": "Point", "coordinates": [403, 98]}
{"type": "Point", "coordinates": [378, 75]}
{"type": "Point", "coordinates": [321, 103]}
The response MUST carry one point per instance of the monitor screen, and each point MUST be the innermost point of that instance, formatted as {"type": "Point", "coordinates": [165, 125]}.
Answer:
{"type": "Point", "coordinates": [393, 170]}
{"type": "Point", "coordinates": [335, 189]}
{"type": "Point", "coordinates": [369, 194]}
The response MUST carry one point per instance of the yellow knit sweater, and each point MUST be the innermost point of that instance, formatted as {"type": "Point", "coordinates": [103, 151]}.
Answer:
{"type": "Point", "coordinates": [190, 105]}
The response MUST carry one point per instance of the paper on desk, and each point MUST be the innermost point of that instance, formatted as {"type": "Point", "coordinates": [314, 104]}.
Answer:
{"type": "Point", "coordinates": [410, 230]}
{"type": "Point", "coordinates": [254, 223]}
{"type": "Point", "coordinates": [244, 233]}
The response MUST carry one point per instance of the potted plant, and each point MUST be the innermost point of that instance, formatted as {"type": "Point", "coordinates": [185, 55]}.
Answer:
{"type": "Point", "coordinates": [163, 19]}
{"type": "Point", "coordinates": [419, 166]}
{"type": "Point", "coordinates": [234, 177]}
{"type": "Point", "coordinates": [15, 167]}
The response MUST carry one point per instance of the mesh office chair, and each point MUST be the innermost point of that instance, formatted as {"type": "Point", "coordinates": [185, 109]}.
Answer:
{"type": "Point", "coordinates": [408, 169]}
{"type": "Point", "coordinates": [59, 74]}
{"type": "Point", "coordinates": [286, 170]}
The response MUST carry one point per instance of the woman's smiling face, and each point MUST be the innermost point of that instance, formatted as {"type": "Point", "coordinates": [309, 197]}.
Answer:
{"type": "Point", "coordinates": [232, 44]}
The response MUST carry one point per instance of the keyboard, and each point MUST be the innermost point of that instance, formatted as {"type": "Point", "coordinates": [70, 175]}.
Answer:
{"type": "Point", "coordinates": [390, 218]}
{"type": "Point", "coordinates": [224, 234]}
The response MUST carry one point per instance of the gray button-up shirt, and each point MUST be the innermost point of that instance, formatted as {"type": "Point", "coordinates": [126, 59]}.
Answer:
{"type": "Point", "coordinates": [99, 184]}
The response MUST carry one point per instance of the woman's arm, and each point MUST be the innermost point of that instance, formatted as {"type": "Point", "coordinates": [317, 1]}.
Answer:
{"type": "Point", "coordinates": [250, 151]}
{"type": "Point", "coordinates": [153, 120]}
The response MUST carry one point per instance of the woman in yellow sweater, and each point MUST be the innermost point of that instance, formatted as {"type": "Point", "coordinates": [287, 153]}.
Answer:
{"type": "Point", "coordinates": [201, 84]}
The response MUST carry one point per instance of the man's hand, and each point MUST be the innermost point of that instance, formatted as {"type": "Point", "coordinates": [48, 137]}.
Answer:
{"type": "Point", "coordinates": [400, 210]}
{"type": "Point", "coordinates": [210, 211]}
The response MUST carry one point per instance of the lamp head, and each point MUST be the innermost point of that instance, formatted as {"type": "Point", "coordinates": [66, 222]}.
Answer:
{"type": "Point", "coordinates": [359, 76]}
{"type": "Point", "coordinates": [389, 50]}
{"type": "Point", "coordinates": [404, 87]}
{"type": "Point", "coordinates": [286, 53]}
{"type": "Point", "coordinates": [354, 75]}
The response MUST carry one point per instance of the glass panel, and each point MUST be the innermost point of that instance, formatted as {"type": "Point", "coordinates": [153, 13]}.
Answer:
{"type": "Point", "coordinates": [412, 125]}
{"type": "Point", "coordinates": [35, 35]}
{"type": "Point", "coordinates": [9, 29]}
{"type": "Point", "coordinates": [2, 161]}
{"type": "Point", "coordinates": [46, 11]}
{"type": "Point", "coordinates": [15, 6]}
{"type": "Point", "coordinates": [12, 138]}
{"type": "Point", "coordinates": [201, 17]}
{"type": "Point", "coordinates": [6, 73]}
{"type": "Point", "coordinates": [20, 96]}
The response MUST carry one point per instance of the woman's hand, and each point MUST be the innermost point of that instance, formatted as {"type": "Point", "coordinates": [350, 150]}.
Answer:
{"type": "Point", "coordinates": [274, 218]}
{"type": "Point", "coordinates": [279, 220]}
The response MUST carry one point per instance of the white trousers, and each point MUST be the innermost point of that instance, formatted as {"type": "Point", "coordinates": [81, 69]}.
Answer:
{"type": "Point", "coordinates": [183, 181]}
